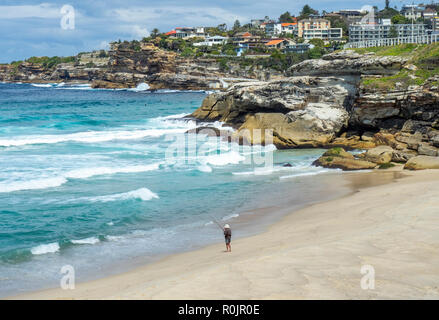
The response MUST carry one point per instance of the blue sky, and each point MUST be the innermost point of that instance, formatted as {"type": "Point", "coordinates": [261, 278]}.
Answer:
{"type": "Point", "coordinates": [32, 28]}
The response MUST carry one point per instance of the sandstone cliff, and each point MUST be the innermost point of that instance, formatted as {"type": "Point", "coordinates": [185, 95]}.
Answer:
{"type": "Point", "coordinates": [324, 103]}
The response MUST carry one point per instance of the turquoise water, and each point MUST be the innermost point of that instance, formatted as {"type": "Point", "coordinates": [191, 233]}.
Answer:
{"type": "Point", "coordinates": [87, 180]}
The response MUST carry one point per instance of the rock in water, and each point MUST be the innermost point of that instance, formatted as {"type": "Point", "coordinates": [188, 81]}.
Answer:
{"type": "Point", "coordinates": [422, 162]}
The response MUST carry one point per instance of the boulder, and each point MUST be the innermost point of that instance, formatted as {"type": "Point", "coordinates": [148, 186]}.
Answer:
{"type": "Point", "coordinates": [379, 155]}
{"type": "Point", "coordinates": [427, 150]}
{"type": "Point", "coordinates": [411, 140]}
{"type": "Point", "coordinates": [344, 163]}
{"type": "Point", "coordinates": [338, 158]}
{"type": "Point", "coordinates": [422, 162]}
{"type": "Point", "coordinates": [402, 156]}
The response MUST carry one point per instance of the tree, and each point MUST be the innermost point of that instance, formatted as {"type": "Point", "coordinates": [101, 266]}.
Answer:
{"type": "Point", "coordinates": [307, 11]}
{"type": "Point", "coordinates": [393, 33]}
{"type": "Point", "coordinates": [222, 27]}
{"type": "Point", "coordinates": [154, 33]}
{"type": "Point", "coordinates": [400, 19]}
{"type": "Point", "coordinates": [387, 4]}
{"type": "Point", "coordinates": [387, 13]}
{"type": "Point", "coordinates": [236, 25]}
{"type": "Point", "coordinates": [338, 22]}
{"type": "Point", "coordinates": [286, 17]}
{"type": "Point", "coordinates": [317, 42]}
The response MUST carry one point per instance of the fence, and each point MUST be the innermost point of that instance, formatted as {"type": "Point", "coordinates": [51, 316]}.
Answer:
{"type": "Point", "coordinates": [425, 39]}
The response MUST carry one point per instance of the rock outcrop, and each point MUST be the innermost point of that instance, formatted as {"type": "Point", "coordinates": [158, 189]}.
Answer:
{"type": "Point", "coordinates": [324, 104]}
{"type": "Point", "coordinates": [301, 111]}
{"type": "Point", "coordinates": [349, 62]}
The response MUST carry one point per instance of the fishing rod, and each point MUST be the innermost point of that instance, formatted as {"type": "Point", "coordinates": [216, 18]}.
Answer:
{"type": "Point", "coordinates": [220, 226]}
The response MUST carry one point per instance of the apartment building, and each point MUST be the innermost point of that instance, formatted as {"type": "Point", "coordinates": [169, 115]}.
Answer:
{"type": "Point", "coordinates": [312, 24]}
{"type": "Point", "coordinates": [361, 32]}
{"type": "Point", "coordinates": [318, 29]}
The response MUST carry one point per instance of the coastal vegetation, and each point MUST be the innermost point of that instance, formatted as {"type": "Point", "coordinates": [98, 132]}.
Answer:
{"type": "Point", "coordinates": [422, 64]}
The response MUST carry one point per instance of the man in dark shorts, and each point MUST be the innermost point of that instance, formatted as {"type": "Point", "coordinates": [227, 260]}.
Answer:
{"type": "Point", "coordinates": [228, 237]}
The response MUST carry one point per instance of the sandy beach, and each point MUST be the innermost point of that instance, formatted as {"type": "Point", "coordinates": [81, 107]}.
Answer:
{"type": "Point", "coordinates": [314, 253]}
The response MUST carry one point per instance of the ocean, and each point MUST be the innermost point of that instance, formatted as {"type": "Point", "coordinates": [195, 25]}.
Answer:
{"type": "Point", "coordinates": [104, 180]}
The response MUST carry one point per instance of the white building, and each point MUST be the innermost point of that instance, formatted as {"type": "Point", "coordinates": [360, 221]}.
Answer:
{"type": "Point", "coordinates": [211, 41]}
{"type": "Point", "coordinates": [362, 32]}
{"type": "Point", "coordinates": [189, 32]}
{"type": "Point", "coordinates": [331, 34]}
{"type": "Point", "coordinates": [276, 29]}
{"type": "Point", "coordinates": [429, 13]}
{"type": "Point", "coordinates": [412, 11]}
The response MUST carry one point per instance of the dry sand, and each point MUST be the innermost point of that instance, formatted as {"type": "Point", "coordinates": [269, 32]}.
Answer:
{"type": "Point", "coordinates": [313, 253]}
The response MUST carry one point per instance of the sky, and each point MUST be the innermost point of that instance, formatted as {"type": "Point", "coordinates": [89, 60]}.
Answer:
{"type": "Point", "coordinates": [62, 28]}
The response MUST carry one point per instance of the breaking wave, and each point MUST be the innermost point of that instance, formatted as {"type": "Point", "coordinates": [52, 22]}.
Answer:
{"type": "Point", "coordinates": [143, 194]}
{"type": "Point", "coordinates": [83, 173]}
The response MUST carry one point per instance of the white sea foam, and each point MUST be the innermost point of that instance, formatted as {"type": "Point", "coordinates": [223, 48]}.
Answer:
{"type": "Point", "coordinates": [41, 85]}
{"type": "Point", "coordinates": [91, 240]}
{"type": "Point", "coordinates": [140, 87]}
{"type": "Point", "coordinates": [89, 136]}
{"type": "Point", "coordinates": [143, 194]}
{"type": "Point", "coordinates": [230, 216]}
{"type": "Point", "coordinates": [98, 171]}
{"type": "Point", "coordinates": [115, 238]}
{"type": "Point", "coordinates": [223, 159]}
{"type": "Point", "coordinates": [263, 171]}
{"type": "Point", "coordinates": [303, 174]}
{"type": "Point", "coordinates": [82, 173]}
{"type": "Point", "coordinates": [76, 86]}
{"type": "Point", "coordinates": [32, 184]}
{"type": "Point", "coordinates": [45, 248]}
{"type": "Point", "coordinates": [204, 168]}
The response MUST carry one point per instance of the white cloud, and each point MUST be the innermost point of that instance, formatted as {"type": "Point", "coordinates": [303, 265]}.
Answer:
{"type": "Point", "coordinates": [181, 16]}
{"type": "Point", "coordinates": [139, 32]}
{"type": "Point", "coordinates": [43, 10]}
{"type": "Point", "coordinates": [104, 45]}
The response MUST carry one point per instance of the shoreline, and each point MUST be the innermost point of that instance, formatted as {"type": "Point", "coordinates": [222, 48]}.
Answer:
{"type": "Point", "coordinates": [313, 253]}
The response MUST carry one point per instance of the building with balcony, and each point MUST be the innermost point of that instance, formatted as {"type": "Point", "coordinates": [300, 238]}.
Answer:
{"type": "Point", "coordinates": [312, 24]}
{"type": "Point", "coordinates": [362, 32]}
{"type": "Point", "coordinates": [212, 41]}
{"type": "Point", "coordinates": [331, 34]}
{"type": "Point", "coordinates": [412, 11]}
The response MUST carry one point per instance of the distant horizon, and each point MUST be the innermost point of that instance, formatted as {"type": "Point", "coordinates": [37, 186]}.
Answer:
{"type": "Point", "coordinates": [35, 28]}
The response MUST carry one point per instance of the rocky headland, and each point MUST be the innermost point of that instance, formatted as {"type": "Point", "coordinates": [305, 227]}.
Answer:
{"type": "Point", "coordinates": [329, 102]}
{"type": "Point", "coordinates": [126, 66]}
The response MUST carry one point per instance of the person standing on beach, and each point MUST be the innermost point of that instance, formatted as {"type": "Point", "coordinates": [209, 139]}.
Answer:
{"type": "Point", "coordinates": [228, 237]}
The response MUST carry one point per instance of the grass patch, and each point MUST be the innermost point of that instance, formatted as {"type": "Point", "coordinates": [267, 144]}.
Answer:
{"type": "Point", "coordinates": [399, 50]}
{"type": "Point", "coordinates": [386, 165]}
{"type": "Point", "coordinates": [334, 152]}
{"type": "Point", "coordinates": [424, 57]}
{"type": "Point", "coordinates": [329, 159]}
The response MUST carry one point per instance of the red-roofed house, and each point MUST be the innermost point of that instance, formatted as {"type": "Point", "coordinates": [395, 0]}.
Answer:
{"type": "Point", "coordinates": [288, 27]}
{"type": "Point", "coordinates": [171, 33]}
{"type": "Point", "coordinates": [277, 43]}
